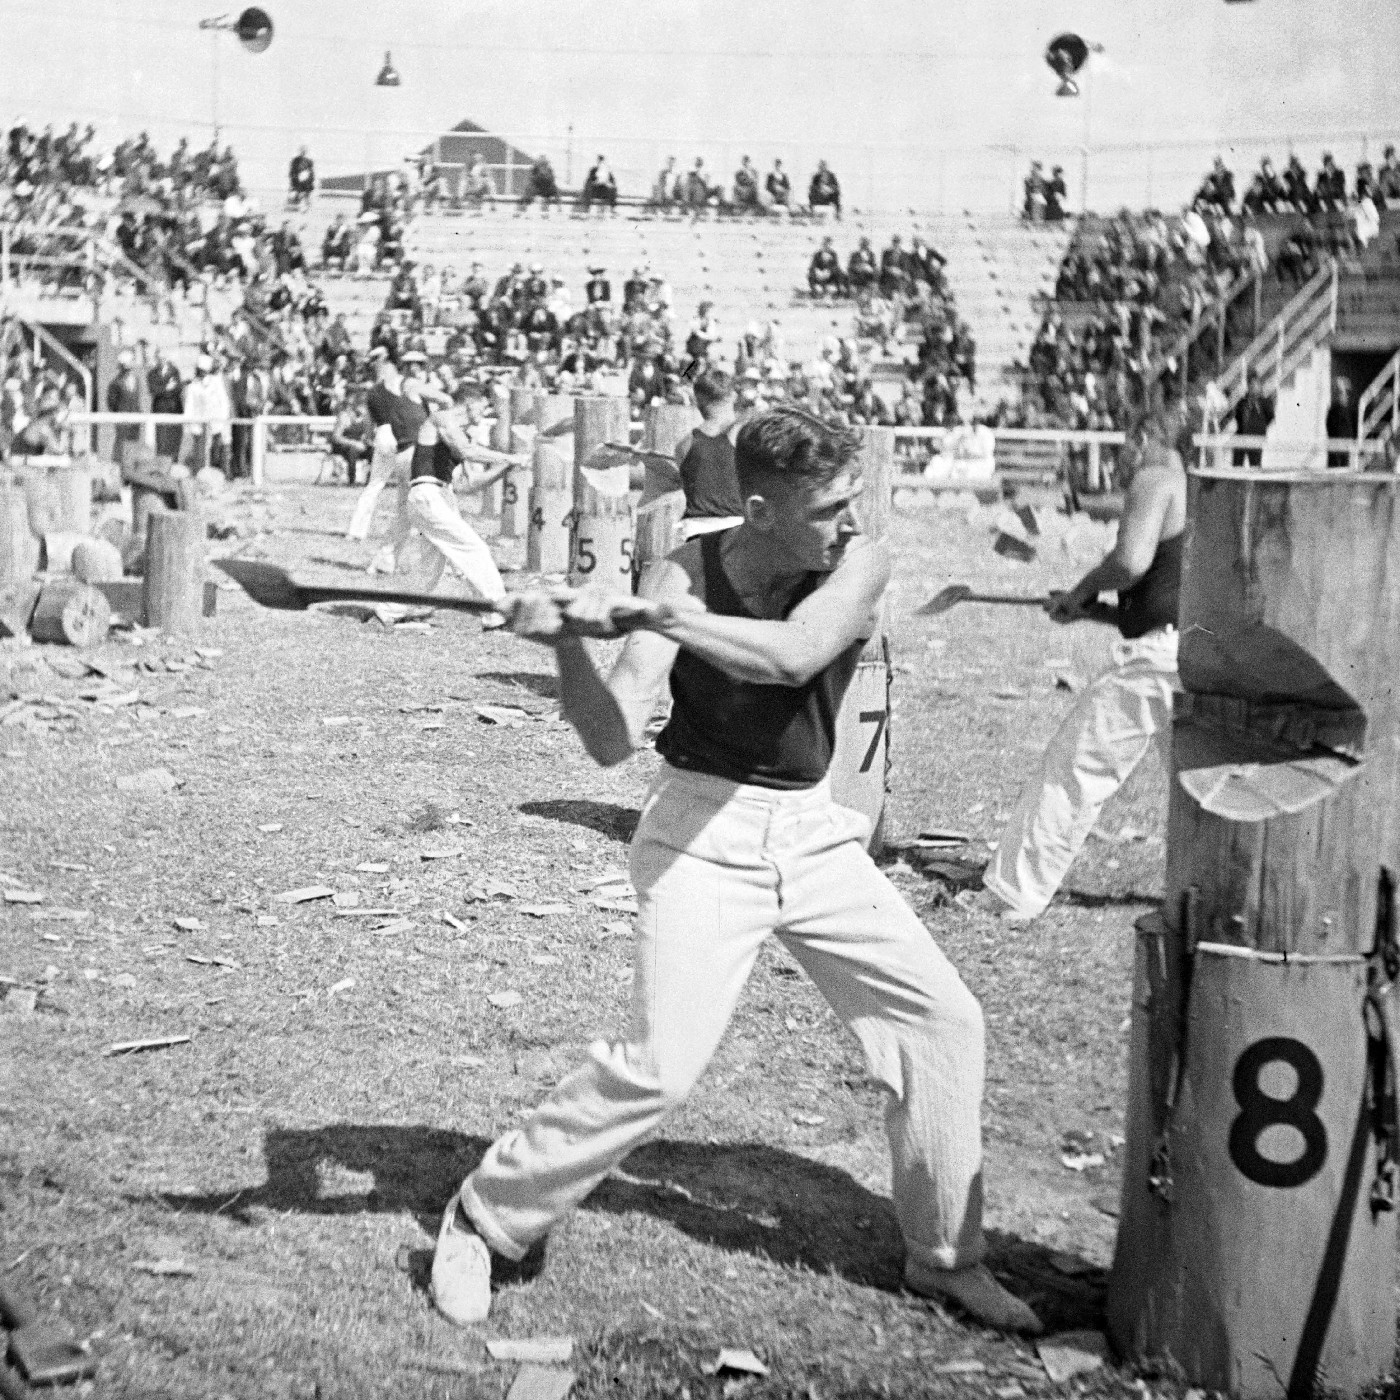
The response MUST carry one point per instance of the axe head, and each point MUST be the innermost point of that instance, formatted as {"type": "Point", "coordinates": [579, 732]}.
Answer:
{"type": "Point", "coordinates": [264, 583]}
{"type": "Point", "coordinates": [944, 599]}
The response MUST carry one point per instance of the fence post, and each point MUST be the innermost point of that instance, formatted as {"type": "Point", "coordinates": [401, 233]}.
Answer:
{"type": "Point", "coordinates": [258, 452]}
{"type": "Point", "coordinates": [1094, 481]}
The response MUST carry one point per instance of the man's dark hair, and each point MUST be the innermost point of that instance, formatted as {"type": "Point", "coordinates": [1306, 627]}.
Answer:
{"type": "Point", "coordinates": [711, 386]}
{"type": "Point", "coordinates": [791, 445]}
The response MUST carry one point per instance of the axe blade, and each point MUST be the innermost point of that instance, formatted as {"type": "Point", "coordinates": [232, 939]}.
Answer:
{"type": "Point", "coordinates": [273, 587]}
{"type": "Point", "coordinates": [944, 599]}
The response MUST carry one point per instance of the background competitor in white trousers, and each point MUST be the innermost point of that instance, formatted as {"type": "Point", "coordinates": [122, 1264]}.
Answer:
{"type": "Point", "coordinates": [441, 451]}
{"type": "Point", "coordinates": [1116, 719]}
{"type": "Point", "coordinates": [759, 630]}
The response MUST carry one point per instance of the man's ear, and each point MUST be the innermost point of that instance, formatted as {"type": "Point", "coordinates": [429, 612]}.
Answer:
{"type": "Point", "coordinates": [758, 512]}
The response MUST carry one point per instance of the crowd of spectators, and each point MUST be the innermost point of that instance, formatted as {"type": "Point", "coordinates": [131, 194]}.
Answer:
{"type": "Point", "coordinates": [902, 294]}
{"type": "Point", "coordinates": [37, 395]}
{"type": "Point", "coordinates": [1128, 288]}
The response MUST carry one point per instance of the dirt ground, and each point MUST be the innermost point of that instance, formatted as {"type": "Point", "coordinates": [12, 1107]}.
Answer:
{"type": "Point", "coordinates": [250, 1213]}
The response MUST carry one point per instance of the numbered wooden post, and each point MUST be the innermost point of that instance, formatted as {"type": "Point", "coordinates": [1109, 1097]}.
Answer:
{"type": "Point", "coordinates": [71, 491]}
{"type": "Point", "coordinates": [19, 546]}
{"type": "Point", "coordinates": [1257, 1234]}
{"type": "Point", "coordinates": [603, 525]}
{"type": "Point", "coordinates": [551, 490]}
{"type": "Point", "coordinates": [661, 507]}
{"type": "Point", "coordinates": [515, 486]}
{"type": "Point", "coordinates": [860, 766]}
{"type": "Point", "coordinates": [500, 440]}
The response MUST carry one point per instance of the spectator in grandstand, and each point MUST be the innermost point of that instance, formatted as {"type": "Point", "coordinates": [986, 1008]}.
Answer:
{"type": "Point", "coordinates": [367, 243]}
{"type": "Point", "coordinates": [301, 180]}
{"type": "Point", "coordinates": [599, 187]}
{"type": "Point", "coordinates": [1217, 190]}
{"type": "Point", "coordinates": [861, 271]}
{"type": "Point", "coordinates": [779, 188]}
{"type": "Point", "coordinates": [124, 396]}
{"type": "Point", "coordinates": [698, 193]}
{"type": "Point", "coordinates": [824, 274]}
{"type": "Point", "coordinates": [250, 396]}
{"type": "Point", "coordinates": [1330, 189]}
{"type": "Point", "coordinates": [477, 189]}
{"type": "Point", "coordinates": [1388, 180]}
{"type": "Point", "coordinates": [167, 395]}
{"type": "Point", "coordinates": [746, 200]}
{"type": "Point", "coordinates": [597, 290]}
{"type": "Point", "coordinates": [1056, 194]}
{"type": "Point", "coordinates": [1253, 414]}
{"type": "Point", "coordinates": [634, 291]}
{"type": "Point", "coordinates": [540, 184]}
{"type": "Point", "coordinates": [1341, 420]}
{"type": "Point", "coordinates": [1266, 193]}
{"type": "Point", "coordinates": [1033, 203]}
{"type": "Point", "coordinates": [703, 335]}
{"type": "Point", "coordinates": [1295, 184]}
{"type": "Point", "coordinates": [824, 191]}
{"type": "Point", "coordinates": [1297, 257]}
{"type": "Point", "coordinates": [894, 270]}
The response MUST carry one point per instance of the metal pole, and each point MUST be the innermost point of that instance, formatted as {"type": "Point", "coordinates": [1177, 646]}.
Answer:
{"type": "Point", "coordinates": [214, 86]}
{"type": "Point", "coordinates": [1088, 114]}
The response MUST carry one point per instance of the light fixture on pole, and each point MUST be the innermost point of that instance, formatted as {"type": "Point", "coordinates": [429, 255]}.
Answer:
{"type": "Point", "coordinates": [388, 74]}
{"type": "Point", "coordinates": [254, 29]}
{"type": "Point", "coordinates": [1067, 55]}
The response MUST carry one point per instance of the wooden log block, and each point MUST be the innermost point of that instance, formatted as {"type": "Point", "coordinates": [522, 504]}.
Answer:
{"type": "Point", "coordinates": [174, 577]}
{"type": "Point", "coordinates": [72, 613]}
{"type": "Point", "coordinates": [662, 505]}
{"type": "Point", "coordinates": [96, 561]}
{"type": "Point", "coordinates": [19, 546]}
{"type": "Point", "coordinates": [860, 765]}
{"type": "Point", "coordinates": [601, 555]}
{"type": "Point", "coordinates": [71, 489]}
{"type": "Point", "coordinates": [56, 553]}
{"type": "Point", "coordinates": [551, 505]}
{"type": "Point", "coordinates": [127, 597]}
{"type": "Point", "coordinates": [500, 440]}
{"type": "Point", "coordinates": [515, 487]}
{"type": "Point", "coordinates": [1253, 1249]}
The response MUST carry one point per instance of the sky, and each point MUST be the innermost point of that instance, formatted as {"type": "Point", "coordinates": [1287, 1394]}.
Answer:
{"type": "Point", "coordinates": [926, 103]}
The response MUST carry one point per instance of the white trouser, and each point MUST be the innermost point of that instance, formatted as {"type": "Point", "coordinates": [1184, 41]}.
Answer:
{"type": "Point", "coordinates": [385, 468]}
{"type": "Point", "coordinates": [1098, 744]}
{"type": "Point", "coordinates": [718, 867]}
{"type": "Point", "coordinates": [432, 511]}
{"type": "Point", "coordinates": [707, 524]}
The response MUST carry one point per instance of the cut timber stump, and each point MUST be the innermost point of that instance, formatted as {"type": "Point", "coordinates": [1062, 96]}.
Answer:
{"type": "Point", "coordinates": [174, 577]}
{"type": "Point", "coordinates": [1257, 1233]}
{"type": "Point", "coordinates": [96, 561]}
{"type": "Point", "coordinates": [860, 765]}
{"type": "Point", "coordinates": [71, 492]}
{"type": "Point", "coordinates": [19, 548]}
{"type": "Point", "coordinates": [603, 531]}
{"type": "Point", "coordinates": [551, 491]}
{"type": "Point", "coordinates": [662, 505]}
{"type": "Point", "coordinates": [70, 612]}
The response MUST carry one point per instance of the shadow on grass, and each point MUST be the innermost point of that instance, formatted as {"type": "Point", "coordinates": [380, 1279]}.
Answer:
{"type": "Point", "coordinates": [1084, 899]}
{"type": "Point", "coordinates": [542, 683]}
{"type": "Point", "coordinates": [739, 1197]}
{"type": "Point", "coordinates": [606, 818]}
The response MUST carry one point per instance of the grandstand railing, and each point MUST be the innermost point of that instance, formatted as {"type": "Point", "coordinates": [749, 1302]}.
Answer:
{"type": "Point", "coordinates": [1378, 409]}
{"type": "Point", "coordinates": [1287, 341]}
{"type": "Point", "coordinates": [264, 429]}
{"type": "Point", "coordinates": [1220, 450]}
{"type": "Point", "coordinates": [44, 340]}
{"type": "Point", "coordinates": [1176, 357]}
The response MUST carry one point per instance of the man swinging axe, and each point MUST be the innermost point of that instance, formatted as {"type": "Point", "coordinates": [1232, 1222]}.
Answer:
{"type": "Point", "coordinates": [757, 629]}
{"type": "Point", "coordinates": [1114, 721]}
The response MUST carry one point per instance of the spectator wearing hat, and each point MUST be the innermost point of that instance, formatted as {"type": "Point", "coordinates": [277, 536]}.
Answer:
{"type": "Point", "coordinates": [894, 271]}
{"type": "Point", "coordinates": [250, 393]}
{"type": "Point", "coordinates": [1055, 195]}
{"type": "Point", "coordinates": [1388, 180]}
{"type": "Point", "coordinates": [207, 401]}
{"type": "Point", "coordinates": [1033, 203]}
{"type": "Point", "coordinates": [824, 190]}
{"type": "Point", "coordinates": [634, 291]}
{"type": "Point", "coordinates": [351, 436]}
{"type": "Point", "coordinates": [535, 288]}
{"type": "Point", "coordinates": [779, 188]}
{"type": "Point", "coordinates": [598, 290]}
{"type": "Point", "coordinates": [1253, 415]}
{"type": "Point", "coordinates": [167, 392]}
{"type": "Point", "coordinates": [861, 272]}
{"type": "Point", "coordinates": [124, 396]}
{"type": "Point", "coordinates": [698, 191]}
{"type": "Point", "coordinates": [1330, 190]}
{"type": "Point", "coordinates": [663, 189]}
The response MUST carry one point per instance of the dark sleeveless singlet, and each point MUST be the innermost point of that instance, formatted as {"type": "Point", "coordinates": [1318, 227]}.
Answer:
{"type": "Point", "coordinates": [1152, 602]}
{"type": "Point", "coordinates": [434, 461]}
{"type": "Point", "coordinates": [708, 478]}
{"type": "Point", "coordinates": [773, 736]}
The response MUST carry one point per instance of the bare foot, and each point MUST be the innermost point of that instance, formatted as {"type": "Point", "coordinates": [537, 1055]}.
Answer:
{"type": "Point", "coordinates": [977, 1293]}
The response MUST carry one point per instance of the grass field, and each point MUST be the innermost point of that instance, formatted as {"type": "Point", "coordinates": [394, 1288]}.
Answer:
{"type": "Point", "coordinates": [250, 1214]}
